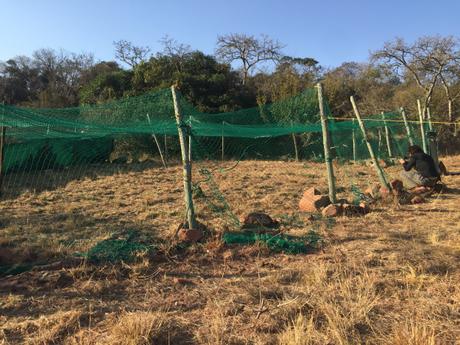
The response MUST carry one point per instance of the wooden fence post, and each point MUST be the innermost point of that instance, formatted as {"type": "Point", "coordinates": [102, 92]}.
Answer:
{"type": "Point", "coordinates": [387, 135]}
{"type": "Point", "coordinates": [294, 140]}
{"type": "Point", "coordinates": [158, 145]}
{"type": "Point", "coordinates": [428, 117]}
{"type": "Point", "coordinates": [422, 128]}
{"type": "Point", "coordinates": [189, 139]}
{"type": "Point", "coordinates": [186, 164]}
{"type": "Point", "coordinates": [327, 146]}
{"type": "Point", "coordinates": [378, 169]}
{"type": "Point", "coordinates": [408, 129]}
{"type": "Point", "coordinates": [353, 141]}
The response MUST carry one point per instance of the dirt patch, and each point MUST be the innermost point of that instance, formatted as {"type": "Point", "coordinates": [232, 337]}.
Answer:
{"type": "Point", "coordinates": [388, 277]}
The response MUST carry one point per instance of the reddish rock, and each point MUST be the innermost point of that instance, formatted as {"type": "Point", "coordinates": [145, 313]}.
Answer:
{"type": "Point", "coordinates": [397, 185]}
{"type": "Point", "coordinates": [418, 199]}
{"type": "Point", "coordinates": [190, 235]}
{"type": "Point", "coordinates": [382, 163]}
{"type": "Point", "coordinates": [332, 210]}
{"type": "Point", "coordinates": [311, 191]}
{"type": "Point", "coordinates": [313, 203]}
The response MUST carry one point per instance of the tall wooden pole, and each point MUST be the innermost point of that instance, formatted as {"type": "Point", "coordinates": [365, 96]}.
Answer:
{"type": "Point", "coordinates": [428, 117]}
{"type": "Point", "coordinates": [158, 145]}
{"type": "Point", "coordinates": [327, 146]}
{"type": "Point", "coordinates": [378, 169]}
{"type": "Point", "coordinates": [408, 130]}
{"type": "Point", "coordinates": [387, 135]}
{"type": "Point", "coordinates": [186, 164]}
{"type": "Point", "coordinates": [433, 146]}
{"type": "Point", "coordinates": [353, 141]}
{"type": "Point", "coordinates": [422, 128]}
{"type": "Point", "coordinates": [189, 138]}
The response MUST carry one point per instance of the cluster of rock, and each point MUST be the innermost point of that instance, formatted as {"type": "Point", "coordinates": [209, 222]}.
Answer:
{"type": "Point", "coordinates": [314, 201]}
{"type": "Point", "coordinates": [397, 193]}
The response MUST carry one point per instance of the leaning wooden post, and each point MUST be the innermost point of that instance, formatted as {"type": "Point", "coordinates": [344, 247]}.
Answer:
{"type": "Point", "coordinates": [428, 117]}
{"type": "Point", "coordinates": [408, 130]}
{"type": "Point", "coordinates": [189, 139]}
{"type": "Point", "coordinates": [387, 135]}
{"type": "Point", "coordinates": [353, 140]}
{"type": "Point", "coordinates": [378, 169]}
{"type": "Point", "coordinates": [327, 146]}
{"type": "Point", "coordinates": [186, 164]}
{"type": "Point", "coordinates": [422, 128]}
{"type": "Point", "coordinates": [158, 145]}
{"type": "Point", "coordinates": [294, 140]}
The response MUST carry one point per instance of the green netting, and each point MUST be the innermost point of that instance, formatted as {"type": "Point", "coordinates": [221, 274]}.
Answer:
{"type": "Point", "coordinates": [275, 242]}
{"type": "Point", "coordinates": [49, 147]}
{"type": "Point", "coordinates": [118, 248]}
{"type": "Point", "coordinates": [49, 139]}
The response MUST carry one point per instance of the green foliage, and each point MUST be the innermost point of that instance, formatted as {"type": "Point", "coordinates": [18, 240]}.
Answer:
{"type": "Point", "coordinates": [208, 85]}
{"type": "Point", "coordinates": [106, 87]}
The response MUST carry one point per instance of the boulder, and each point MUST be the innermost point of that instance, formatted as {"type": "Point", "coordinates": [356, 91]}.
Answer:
{"type": "Point", "coordinates": [383, 163]}
{"type": "Point", "coordinates": [190, 235]}
{"type": "Point", "coordinates": [397, 185]}
{"type": "Point", "coordinates": [313, 201]}
{"type": "Point", "coordinates": [259, 219]}
{"type": "Point", "coordinates": [332, 210]}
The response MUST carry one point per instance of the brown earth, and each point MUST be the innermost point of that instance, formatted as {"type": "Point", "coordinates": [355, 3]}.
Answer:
{"type": "Point", "coordinates": [390, 277]}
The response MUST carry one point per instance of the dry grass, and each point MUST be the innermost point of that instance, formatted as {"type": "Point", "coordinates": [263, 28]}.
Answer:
{"type": "Point", "coordinates": [391, 277]}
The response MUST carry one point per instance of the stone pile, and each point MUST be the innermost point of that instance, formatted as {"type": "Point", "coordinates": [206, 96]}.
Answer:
{"type": "Point", "coordinates": [314, 201]}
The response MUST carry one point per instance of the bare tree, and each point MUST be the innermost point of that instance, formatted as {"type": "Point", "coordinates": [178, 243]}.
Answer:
{"type": "Point", "coordinates": [249, 50]}
{"type": "Point", "coordinates": [425, 60]}
{"type": "Point", "coordinates": [175, 50]}
{"type": "Point", "coordinates": [61, 73]}
{"type": "Point", "coordinates": [450, 75]}
{"type": "Point", "coordinates": [130, 54]}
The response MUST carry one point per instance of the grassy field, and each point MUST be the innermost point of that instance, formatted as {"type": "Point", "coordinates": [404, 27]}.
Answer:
{"type": "Point", "coordinates": [390, 277]}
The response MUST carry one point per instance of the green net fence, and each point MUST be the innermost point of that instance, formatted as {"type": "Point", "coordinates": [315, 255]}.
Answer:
{"type": "Point", "coordinates": [47, 148]}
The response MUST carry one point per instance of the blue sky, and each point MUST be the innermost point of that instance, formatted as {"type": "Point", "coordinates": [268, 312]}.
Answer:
{"type": "Point", "coordinates": [331, 31]}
